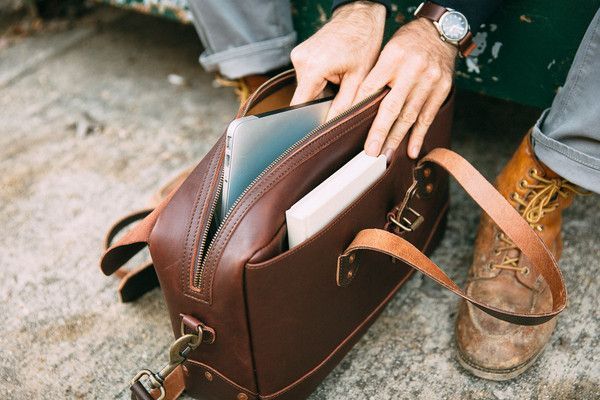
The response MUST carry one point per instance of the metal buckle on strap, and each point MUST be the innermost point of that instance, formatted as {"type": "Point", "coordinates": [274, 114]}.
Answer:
{"type": "Point", "coordinates": [178, 353]}
{"type": "Point", "coordinates": [404, 223]}
{"type": "Point", "coordinates": [398, 217]}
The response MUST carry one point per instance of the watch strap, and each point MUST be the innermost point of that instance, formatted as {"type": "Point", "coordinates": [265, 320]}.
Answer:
{"type": "Point", "coordinates": [431, 11]}
{"type": "Point", "coordinates": [434, 12]}
{"type": "Point", "coordinates": [466, 45]}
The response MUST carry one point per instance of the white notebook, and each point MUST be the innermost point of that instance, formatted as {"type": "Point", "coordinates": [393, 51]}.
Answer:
{"type": "Point", "coordinates": [315, 210]}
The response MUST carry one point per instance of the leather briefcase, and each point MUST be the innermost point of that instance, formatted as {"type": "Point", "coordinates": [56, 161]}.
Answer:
{"type": "Point", "coordinates": [256, 320]}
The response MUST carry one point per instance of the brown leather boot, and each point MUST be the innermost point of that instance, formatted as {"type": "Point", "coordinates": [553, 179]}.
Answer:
{"type": "Point", "coordinates": [488, 347]}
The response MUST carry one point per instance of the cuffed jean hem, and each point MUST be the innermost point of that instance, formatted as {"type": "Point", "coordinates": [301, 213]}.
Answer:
{"type": "Point", "coordinates": [571, 164]}
{"type": "Point", "coordinates": [253, 58]}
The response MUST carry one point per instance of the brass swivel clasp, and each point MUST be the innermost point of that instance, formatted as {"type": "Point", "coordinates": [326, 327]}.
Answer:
{"type": "Point", "coordinates": [178, 353]}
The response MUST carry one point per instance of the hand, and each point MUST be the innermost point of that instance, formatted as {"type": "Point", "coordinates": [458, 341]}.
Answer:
{"type": "Point", "coordinates": [418, 67]}
{"type": "Point", "coordinates": [343, 51]}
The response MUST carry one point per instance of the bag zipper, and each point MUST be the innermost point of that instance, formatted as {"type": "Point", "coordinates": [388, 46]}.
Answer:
{"type": "Point", "coordinates": [201, 261]}
{"type": "Point", "coordinates": [219, 187]}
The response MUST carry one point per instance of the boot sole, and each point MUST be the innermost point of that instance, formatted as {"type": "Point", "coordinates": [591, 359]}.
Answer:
{"type": "Point", "coordinates": [496, 375]}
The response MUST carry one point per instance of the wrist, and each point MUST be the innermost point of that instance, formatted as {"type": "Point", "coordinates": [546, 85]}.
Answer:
{"type": "Point", "coordinates": [428, 29]}
{"type": "Point", "coordinates": [375, 11]}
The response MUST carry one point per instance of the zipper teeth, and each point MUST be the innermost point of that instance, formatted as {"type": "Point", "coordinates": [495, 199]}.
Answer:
{"type": "Point", "coordinates": [197, 278]}
{"type": "Point", "coordinates": [200, 262]}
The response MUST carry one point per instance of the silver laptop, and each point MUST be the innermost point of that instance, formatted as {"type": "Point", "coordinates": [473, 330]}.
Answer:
{"type": "Point", "coordinates": [255, 141]}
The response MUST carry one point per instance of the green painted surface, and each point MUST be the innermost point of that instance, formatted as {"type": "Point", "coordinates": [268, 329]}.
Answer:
{"type": "Point", "coordinates": [524, 51]}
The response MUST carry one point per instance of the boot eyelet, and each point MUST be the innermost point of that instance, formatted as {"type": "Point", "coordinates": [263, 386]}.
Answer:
{"type": "Point", "coordinates": [523, 184]}
{"type": "Point", "coordinates": [525, 271]}
{"type": "Point", "coordinates": [514, 196]}
{"type": "Point", "coordinates": [532, 172]}
{"type": "Point", "coordinates": [491, 266]}
{"type": "Point", "coordinates": [499, 236]}
{"type": "Point", "coordinates": [496, 252]}
{"type": "Point", "coordinates": [539, 228]}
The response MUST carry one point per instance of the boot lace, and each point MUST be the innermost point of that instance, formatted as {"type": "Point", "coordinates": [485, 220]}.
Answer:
{"type": "Point", "coordinates": [541, 198]}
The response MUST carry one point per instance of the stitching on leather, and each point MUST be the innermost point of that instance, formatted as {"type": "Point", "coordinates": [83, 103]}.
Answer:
{"type": "Point", "coordinates": [269, 243]}
{"type": "Point", "coordinates": [368, 113]}
{"type": "Point", "coordinates": [199, 364]}
{"type": "Point", "coordinates": [186, 248]}
{"type": "Point", "coordinates": [282, 174]}
{"type": "Point", "coordinates": [326, 229]}
{"type": "Point", "coordinates": [352, 334]}
{"type": "Point", "coordinates": [190, 292]}
{"type": "Point", "coordinates": [548, 262]}
{"type": "Point", "coordinates": [335, 221]}
{"type": "Point", "coordinates": [202, 297]}
{"type": "Point", "coordinates": [390, 295]}
{"type": "Point", "coordinates": [276, 259]}
{"type": "Point", "coordinates": [186, 268]}
{"type": "Point", "coordinates": [187, 254]}
{"type": "Point", "coordinates": [274, 180]}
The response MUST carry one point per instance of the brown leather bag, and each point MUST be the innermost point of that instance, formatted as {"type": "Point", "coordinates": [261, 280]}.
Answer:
{"type": "Point", "coordinates": [255, 320]}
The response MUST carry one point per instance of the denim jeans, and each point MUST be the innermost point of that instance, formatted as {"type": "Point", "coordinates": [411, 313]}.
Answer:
{"type": "Point", "coordinates": [567, 136]}
{"type": "Point", "coordinates": [244, 37]}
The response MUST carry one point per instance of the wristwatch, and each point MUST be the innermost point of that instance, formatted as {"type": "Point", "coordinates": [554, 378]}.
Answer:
{"type": "Point", "coordinates": [451, 24]}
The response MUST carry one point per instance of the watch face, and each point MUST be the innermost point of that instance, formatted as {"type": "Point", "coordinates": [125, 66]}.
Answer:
{"type": "Point", "coordinates": [454, 25]}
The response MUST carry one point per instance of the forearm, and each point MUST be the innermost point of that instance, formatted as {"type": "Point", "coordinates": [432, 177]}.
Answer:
{"type": "Point", "coordinates": [476, 11]}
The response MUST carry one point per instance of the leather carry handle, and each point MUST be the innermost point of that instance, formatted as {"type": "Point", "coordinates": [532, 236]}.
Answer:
{"type": "Point", "coordinates": [142, 278]}
{"type": "Point", "coordinates": [123, 223]}
{"type": "Point", "coordinates": [133, 241]}
{"type": "Point", "coordinates": [501, 212]}
{"type": "Point", "coordinates": [133, 282]}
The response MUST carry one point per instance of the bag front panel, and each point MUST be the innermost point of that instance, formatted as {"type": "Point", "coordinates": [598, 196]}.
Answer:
{"type": "Point", "coordinates": [301, 321]}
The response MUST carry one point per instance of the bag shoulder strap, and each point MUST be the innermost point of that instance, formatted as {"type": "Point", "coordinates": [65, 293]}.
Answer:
{"type": "Point", "coordinates": [502, 213]}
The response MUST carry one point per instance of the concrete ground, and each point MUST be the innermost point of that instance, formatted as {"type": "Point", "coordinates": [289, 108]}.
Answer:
{"type": "Point", "coordinates": [91, 125]}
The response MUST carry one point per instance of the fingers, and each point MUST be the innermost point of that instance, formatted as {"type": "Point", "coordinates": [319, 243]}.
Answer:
{"type": "Point", "coordinates": [378, 77]}
{"type": "Point", "coordinates": [389, 110]}
{"type": "Point", "coordinates": [426, 117]}
{"type": "Point", "coordinates": [308, 88]}
{"type": "Point", "coordinates": [411, 112]}
{"type": "Point", "coordinates": [343, 99]}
